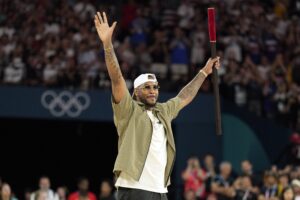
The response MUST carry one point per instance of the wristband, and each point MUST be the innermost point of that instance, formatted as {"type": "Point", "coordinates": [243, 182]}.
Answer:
{"type": "Point", "coordinates": [204, 73]}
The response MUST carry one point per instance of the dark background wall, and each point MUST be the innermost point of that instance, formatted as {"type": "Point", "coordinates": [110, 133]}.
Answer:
{"type": "Point", "coordinates": [63, 150]}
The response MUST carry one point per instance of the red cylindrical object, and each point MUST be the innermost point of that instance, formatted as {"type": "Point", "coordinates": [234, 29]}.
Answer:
{"type": "Point", "coordinates": [211, 24]}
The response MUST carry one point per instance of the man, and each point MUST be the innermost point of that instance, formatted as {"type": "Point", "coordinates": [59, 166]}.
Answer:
{"type": "Point", "coordinates": [44, 188]}
{"type": "Point", "coordinates": [146, 145]}
{"type": "Point", "coordinates": [244, 189]}
{"type": "Point", "coordinates": [106, 190]}
{"type": "Point", "coordinates": [247, 169]}
{"type": "Point", "coordinates": [222, 183]}
{"type": "Point", "coordinates": [83, 192]}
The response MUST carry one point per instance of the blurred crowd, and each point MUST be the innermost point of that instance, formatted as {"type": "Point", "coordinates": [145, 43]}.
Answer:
{"type": "Point", "coordinates": [207, 181]}
{"type": "Point", "coordinates": [54, 44]}
{"type": "Point", "coordinates": [201, 180]}
{"type": "Point", "coordinates": [45, 192]}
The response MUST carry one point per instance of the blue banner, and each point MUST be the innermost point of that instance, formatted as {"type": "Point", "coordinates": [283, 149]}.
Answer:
{"type": "Point", "coordinates": [28, 102]}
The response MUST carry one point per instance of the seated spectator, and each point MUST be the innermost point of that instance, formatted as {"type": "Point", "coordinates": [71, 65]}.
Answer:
{"type": "Point", "coordinates": [5, 192]}
{"type": "Point", "coordinates": [247, 169]}
{"type": "Point", "coordinates": [62, 192]}
{"type": "Point", "coordinates": [27, 193]}
{"type": "Point", "coordinates": [287, 194]}
{"type": "Point", "coordinates": [296, 188]}
{"type": "Point", "coordinates": [194, 177]}
{"type": "Point", "coordinates": [179, 55]}
{"type": "Point", "coordinates": [222, 183]}
{"type": "Point", "coordinates": [83, 192]}
{"type": "Point", "coordinates": [210, 169]}
{"type": "Point", "coordinates": [44, 188]}
{"type": "Point", "coordinates": [283, 182]}
{"type": "Point", "coordinates": [14, 72]}
{"type": "Point", "coordinates": [40, 195]}
{"type": "Point", "coordinates": [106, 189]}
{"type": "Point", "coordinates": [270, 188]}
{"type": "Point", "coordinates": [158, 51]}
{"type": "Point", "coordinates": [244, 189]}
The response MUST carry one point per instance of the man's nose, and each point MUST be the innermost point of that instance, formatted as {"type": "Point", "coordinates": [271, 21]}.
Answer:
{"type": "Point", "coordinates": [152, 90]}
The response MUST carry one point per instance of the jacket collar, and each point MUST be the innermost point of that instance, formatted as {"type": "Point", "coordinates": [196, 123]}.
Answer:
{"type": "Point", "coordinates": [143, 106]}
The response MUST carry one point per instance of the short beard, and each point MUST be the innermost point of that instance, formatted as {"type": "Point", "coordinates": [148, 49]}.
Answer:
{"type": "Point", "coordinates": [144, 101]}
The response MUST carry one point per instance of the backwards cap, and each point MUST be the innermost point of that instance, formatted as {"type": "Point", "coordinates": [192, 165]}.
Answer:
{"type": "Point", "coordinates": [143, 78]}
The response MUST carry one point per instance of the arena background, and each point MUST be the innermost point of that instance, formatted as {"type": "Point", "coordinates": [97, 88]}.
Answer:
{"type": "Point", "coordinates": [62, 127]}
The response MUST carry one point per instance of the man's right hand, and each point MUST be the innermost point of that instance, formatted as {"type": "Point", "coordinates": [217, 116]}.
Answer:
{"type": "Point", "coordinates": [104, 30]}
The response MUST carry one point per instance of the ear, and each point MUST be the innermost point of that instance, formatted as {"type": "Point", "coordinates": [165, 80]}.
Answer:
{"type": "Point", "coordinates": [135, 93]}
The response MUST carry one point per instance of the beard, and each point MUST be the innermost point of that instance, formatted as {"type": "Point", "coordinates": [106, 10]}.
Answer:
{"type": "Point", "coordinates": [148, 101]}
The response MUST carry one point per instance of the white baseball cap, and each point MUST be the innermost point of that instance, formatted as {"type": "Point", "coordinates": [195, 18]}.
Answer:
{"type": "Point", "coordinates": [295, 182]}
{"type": "Point", "coordinates": [143, 78]}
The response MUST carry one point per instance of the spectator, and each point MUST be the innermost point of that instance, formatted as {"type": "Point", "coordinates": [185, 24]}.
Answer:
{"type": "Point", "coordinates": [62, 192]}
{"type": "Point", "coordinates": [186, 13]}
{"type": "Point", "coordinates": [106, 190]}
{"type": "Point", "coordinates": [6, 193]}
{"type": "Point", "coordinates": [270, 188]}
{"type": "Point", "coordinates": [287, 194]}
{"type": "Point", "coordinates": [179, 54]}
{"type": "Point", "coordinates": [222, 183]}
{"type": "Point", "coordinates": [41, 195]}
{"type": "Point", "coordinates": [27, 193]}
{"type": "Point", "coordinates": [247, 169]}
{"type": "Point", "coordinates": [83, 191]}
{"type": "Point", "coordinates": [159, 54]}
{"type": "Point", "coordinates": [210, 169]}
{"type": "Point", "coordinates": [244, 189]}
{"type": "Point", "coordinates": [44, 189]}
{"type": "Point", "coordinates": [194, 178]}
{"type": "Point", "coordinates": [296, 188]}
{"type": "Point", "coordinates": [14, 72]}
{"type": "Point", "coordinates": [283, 183]}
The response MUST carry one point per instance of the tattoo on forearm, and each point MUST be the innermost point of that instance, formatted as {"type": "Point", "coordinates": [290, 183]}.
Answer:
{"type": "Point", "coordinates": [191, 89]}
{"type": "Point", "coordinates": [113, 67]}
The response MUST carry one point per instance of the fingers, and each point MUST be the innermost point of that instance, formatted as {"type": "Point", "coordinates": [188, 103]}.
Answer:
{"type": "Point", "coordinates": [104, 17]}
{"type": "Point", "coordinates": [100, 17]}
{"type": "Point", "coordinates": [114, 25]}
{"type": "Point", "coordinates": [215, 59]}
{"type": "Point", "coordinates": [96, 20]}
{"type": "Point", "coordinates": [214, 62]}
{"type": "Point", "coordinates": [217, 62]}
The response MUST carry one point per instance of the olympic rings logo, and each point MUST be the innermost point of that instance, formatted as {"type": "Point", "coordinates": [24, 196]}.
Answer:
{"type": "Point", "coordinates": [65, 103]}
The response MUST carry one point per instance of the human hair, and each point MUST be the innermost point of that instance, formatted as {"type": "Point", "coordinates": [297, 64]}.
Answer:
{"type": "Point", "coordinates": [81, 179]}
{"type": "Point", "coordinates": [284, 191]}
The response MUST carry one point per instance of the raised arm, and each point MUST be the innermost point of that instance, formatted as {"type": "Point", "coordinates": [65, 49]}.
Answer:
{"type": "Point", "coordinates": [188, 93]}
{"type": "Point", "coordinates": [105, 34]}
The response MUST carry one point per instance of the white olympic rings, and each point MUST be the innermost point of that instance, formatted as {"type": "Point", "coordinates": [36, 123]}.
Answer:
{"type": "Point", "coordinates": [65, 103]}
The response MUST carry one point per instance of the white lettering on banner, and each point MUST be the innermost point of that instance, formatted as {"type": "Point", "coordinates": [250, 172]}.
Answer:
{"type": "Point", "coordinates": [65, 103]}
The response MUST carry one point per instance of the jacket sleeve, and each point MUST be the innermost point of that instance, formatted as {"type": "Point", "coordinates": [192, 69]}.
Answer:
{"type": "Point", "coordinates": [172, 107]}
{"type": "Point", "coordinates": [124, 108]}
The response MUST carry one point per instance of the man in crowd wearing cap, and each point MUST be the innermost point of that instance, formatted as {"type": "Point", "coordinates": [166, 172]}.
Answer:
{"type": "Point", "coordinates": [146, 148]}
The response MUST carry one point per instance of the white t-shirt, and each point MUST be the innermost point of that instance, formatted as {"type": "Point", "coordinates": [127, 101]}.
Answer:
{"type": "Point", "coordinates": [152, 178]}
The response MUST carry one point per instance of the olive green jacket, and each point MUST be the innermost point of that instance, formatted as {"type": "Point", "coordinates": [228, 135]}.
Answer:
{"type": "Point", "coordinates": [135, 132]}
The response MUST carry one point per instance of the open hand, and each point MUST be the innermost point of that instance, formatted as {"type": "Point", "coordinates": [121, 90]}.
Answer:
{"type": "Point", "coordinates": [104, 30]}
